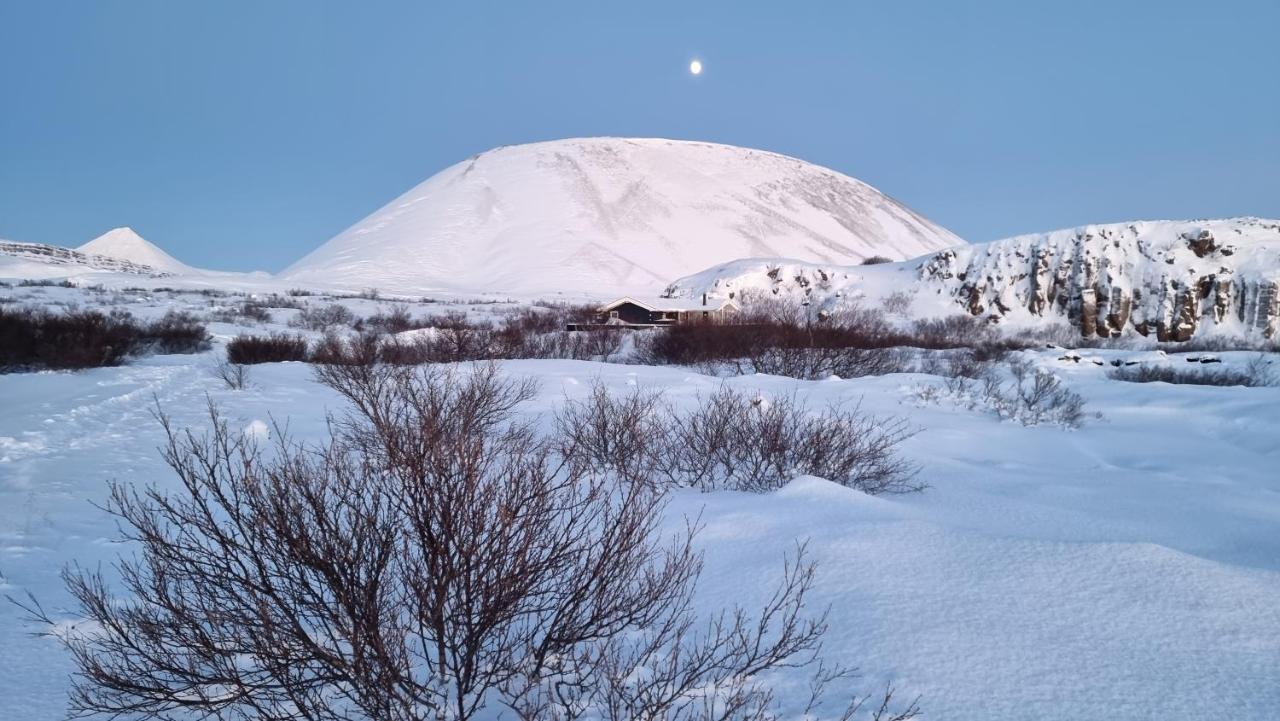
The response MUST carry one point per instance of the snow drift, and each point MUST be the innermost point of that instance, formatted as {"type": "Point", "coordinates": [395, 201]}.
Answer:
{"type": "Point", "coordinates": [610, 216]}
{"type": "Point", "coordinates": [1168, 279]}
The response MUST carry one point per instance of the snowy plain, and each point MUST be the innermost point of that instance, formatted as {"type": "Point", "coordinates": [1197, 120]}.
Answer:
{"type": "Point", "coordinates": [1129, 569]}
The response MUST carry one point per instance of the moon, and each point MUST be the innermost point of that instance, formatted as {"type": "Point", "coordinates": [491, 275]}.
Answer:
{"type": "Point", "coordinates": [695, 67]}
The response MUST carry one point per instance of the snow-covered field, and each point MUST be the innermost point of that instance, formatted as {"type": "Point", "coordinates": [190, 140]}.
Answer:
{"type": "Point", "coordinates": [1129, 569]}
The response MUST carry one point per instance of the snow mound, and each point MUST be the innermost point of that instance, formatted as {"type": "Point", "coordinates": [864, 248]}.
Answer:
{"type": "Point", "coordinates": [1171, 280]}
{"type": "Point", "coordinates": [125, 244]}
{"type": "Point", "coordinates": [610, 216]}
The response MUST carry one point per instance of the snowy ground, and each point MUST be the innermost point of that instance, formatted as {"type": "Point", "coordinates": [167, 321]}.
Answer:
{"type": "Point", "coordinates": [1126, 570]}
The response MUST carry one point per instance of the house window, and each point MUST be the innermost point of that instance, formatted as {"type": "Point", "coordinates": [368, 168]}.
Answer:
{"type": "Point", "coordinates": [613, 314]}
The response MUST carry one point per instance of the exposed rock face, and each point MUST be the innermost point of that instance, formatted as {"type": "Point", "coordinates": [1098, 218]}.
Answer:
{"type": "Point", "coordinates": [1155, 278]}
{"type": "Point", "coordinates": [1171, 280]}
{"type": "Point", "coordinates": [55, 255]}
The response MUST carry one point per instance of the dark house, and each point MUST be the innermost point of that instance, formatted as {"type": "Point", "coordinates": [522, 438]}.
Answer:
{"type": "Point", "coordinates": [641, 312]}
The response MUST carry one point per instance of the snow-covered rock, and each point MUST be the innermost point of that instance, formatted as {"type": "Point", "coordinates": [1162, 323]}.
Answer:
{"type": "Point", "coordinates": [36, 260]}
{"type": "Point", "coordinates": [612, 216]}
{"type": "Point", "coordinates": [1170, 280]}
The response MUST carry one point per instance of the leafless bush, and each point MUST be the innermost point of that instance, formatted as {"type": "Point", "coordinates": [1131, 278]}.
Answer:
{"type": "Point", "coordinates": [176, 332]}
{"type": "Point", "coordinates": [953, 331]}
{"type": "Point", "coordinates": [782, 337]}
{"type": "Point", "coordinates": [1253, 375]}
{"type": "Point", "coordinates": [732, 440]}
{"type": "Point", "coordinates": [45, 283]}
{"type": "Point", "coordinates": [323, 318]}
{"type": "Point", "coordinates": [432, 558]}
{"type": "Point", "coordinates": [898, 303]}
{"type": "Point", "coordinates": [235, 375]}
{"type": "Point", "coordinates": [38, 338]}
{"type": "Point", "coordinates": [396, 319]}
{"type": "Point", "coordinates": [623, 432]}
{"type": "Point", "coordinates": [275, 300]}
{"type": "Point", "coordinates": [276, 348]}
{"type": "Point", "coordinates": [1218, 344]}
{"type": "Point", "coordinates": [1029, 395]}
{"type": "Point", "coordinates": [876, 260]}
{"type": "Point", "coordinates": [246, 311]}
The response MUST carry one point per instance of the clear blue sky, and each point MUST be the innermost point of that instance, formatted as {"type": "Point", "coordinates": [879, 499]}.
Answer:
{"type": "Point", "coordinates": [241, 135]}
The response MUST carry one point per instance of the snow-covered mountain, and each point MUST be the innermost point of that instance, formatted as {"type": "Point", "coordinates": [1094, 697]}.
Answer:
{"type": "Point", "coordinates": [613, 215]}
{"type": "Point", "coordinates": [125, 244]}
{"type": "Point", "coordinates": [1167, 279]}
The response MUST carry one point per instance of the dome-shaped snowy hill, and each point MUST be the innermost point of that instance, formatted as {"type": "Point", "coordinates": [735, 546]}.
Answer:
{"type": "Point", "coordinates": [124, 244]}
{"type": "Point", "coordinates": [613, 215]}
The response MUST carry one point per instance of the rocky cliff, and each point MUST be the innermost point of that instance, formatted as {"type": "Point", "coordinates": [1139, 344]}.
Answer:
{"type": "Point", "coordinates": [1169, 280]}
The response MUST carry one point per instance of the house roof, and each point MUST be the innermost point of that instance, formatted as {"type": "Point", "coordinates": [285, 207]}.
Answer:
{"type": "Point", "coordinates": [655, 303]}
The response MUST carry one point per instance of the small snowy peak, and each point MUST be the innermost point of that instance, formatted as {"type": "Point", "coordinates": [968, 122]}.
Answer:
{"type": "Point", "coordinates": [124, 244]}
{"type": "Point", "coordinates": [613, 216]}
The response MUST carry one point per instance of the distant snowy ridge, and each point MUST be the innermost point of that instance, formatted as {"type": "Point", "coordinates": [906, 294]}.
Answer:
{"type": "Point", "coordinates": [126, 245]}
{"type": "Point", "coordinates": [611, 216]}
{"type": "Point", "coordinates": [53, 255]}
{"type": "Point", "coordinates": [1168, 279]}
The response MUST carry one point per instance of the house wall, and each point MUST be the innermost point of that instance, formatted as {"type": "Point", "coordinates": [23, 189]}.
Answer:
{"type": "Point", "coordinates": [629, 313]}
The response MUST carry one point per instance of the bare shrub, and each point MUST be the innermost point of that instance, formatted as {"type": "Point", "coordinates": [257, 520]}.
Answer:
{"type": "Point", "coordinates": [248, 311]}
{"type": "Point", "coordinates": [876, 260]}
{"type": "Point", "coordinates": [953, 331]}
{"type": "Point", "coordinates": [457, 339]}
{"type": "Point", "coordinates": [434, 557]}
{"type": "Point", "coordinates": [1253, 375]}
{"type": "Point", "coordinates": [235, 375]}
{"type": "Point", "coordinates": [782, 337]}
{"type": "Point", "coordinates": [623, 432]}
{"type": "Point", "coordinates": [323, 318]}
{"type": "Point", "coordinates": [898, 303]}
{"type": "Point", "coordinates": [275, 348]}
{"type": "Point", "coordinates": [735, 441]}
{"type": "Point", "coordinates": [176, 332]}
{"type": "Point", "coordinates": [361, 349]}
{"type": "Point", "coordinates": [1029, 395]}
{"type": "Point", "coordinates": [38, 339]}
{"type": "Point", "coordinates": [397, 319]}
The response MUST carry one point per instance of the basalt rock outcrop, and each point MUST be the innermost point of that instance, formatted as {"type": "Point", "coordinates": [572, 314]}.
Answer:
{"type": "Point", "coordinates": [1169, 280]}
{"type": "Point", "coordinates": [56, 255]}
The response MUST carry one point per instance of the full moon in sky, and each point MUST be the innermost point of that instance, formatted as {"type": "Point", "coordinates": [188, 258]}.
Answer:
{"type": "Point", "coordinates": [695, 67]}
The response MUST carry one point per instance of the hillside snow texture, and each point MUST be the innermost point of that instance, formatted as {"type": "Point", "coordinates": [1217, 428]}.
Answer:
{"type": "Point", "coordinates": [611, 216]}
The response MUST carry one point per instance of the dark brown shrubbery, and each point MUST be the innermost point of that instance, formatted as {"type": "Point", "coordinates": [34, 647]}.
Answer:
{"type": "Point", "coordinates": [433, 558]}
{"type": "Point", "coordinates": [251, 349]}
{"type": "Point", "coordinates": [452, 337]}
{"type": "Point", "coordinates": [175, 332]}
{"type": "Point", "coordinates": [789, 339]}
{"type": "Point", "coordinates": [33, 339]}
